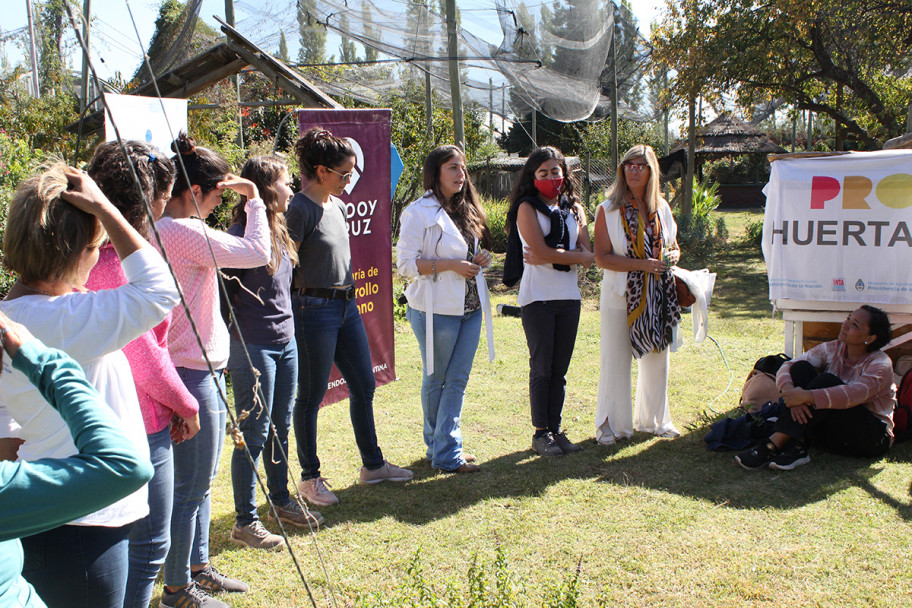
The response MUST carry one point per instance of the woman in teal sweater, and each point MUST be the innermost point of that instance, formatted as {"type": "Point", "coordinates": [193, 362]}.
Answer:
{"type": "Point", "coordinates": [106, 469]}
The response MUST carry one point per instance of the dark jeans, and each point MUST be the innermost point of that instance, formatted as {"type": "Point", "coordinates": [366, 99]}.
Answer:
{"type": "Point", "coordinates": [78, 566]}
{"type": "Point", "coordinates": [327, 332]}
{"type": "Point", "coordinates": [550, 329]}
{"type": "Point", "coordinates": [265, 428]}
{"type": "Point", "coordinates": [850, 432]}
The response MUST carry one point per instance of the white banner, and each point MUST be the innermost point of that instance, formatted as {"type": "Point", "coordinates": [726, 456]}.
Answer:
{"type": "Point", "coordinates": [839, 228]}
{"type": "Point", "coordinates": [142, 118]}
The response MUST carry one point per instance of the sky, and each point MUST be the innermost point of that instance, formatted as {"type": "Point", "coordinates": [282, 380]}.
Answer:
{"type": "Point", "coordinates": [114, 40]}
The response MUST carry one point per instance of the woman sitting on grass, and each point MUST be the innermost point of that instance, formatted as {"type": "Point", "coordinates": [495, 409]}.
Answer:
{"type": "Point", "coordinates": [839, 396]}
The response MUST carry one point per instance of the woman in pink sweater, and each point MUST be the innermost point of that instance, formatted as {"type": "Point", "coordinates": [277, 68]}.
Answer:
{"type": "Point", "coordinates": [196, 252]}
{"type": "Point", "coordinates": [839, 396]}
{"type": "Point", "coordinates": [168, 409]}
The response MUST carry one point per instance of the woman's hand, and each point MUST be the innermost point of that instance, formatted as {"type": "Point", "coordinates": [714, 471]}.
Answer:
{"type": "Point", "coordinates": [83, 193]}
{"type": "Point", "coordinates": [529, 257]}
{"type": "Point", "coordinates": [482, 258]}
{"type": "Point", "coordinates": [12, 336]}
{"type": "Point", "coordinates": [797, 396]}
{"type": "Point", "coordinates": [463, 268]}
{"type": "Point", "coordinates": [654, 266]}
{"type": "Point", "coordinates": [801, 414]}
{"type": "Point", "coordinates": [184, 428]}
{"type": "Point", "coordinates": [242, 186]}
{"type": "Point", "coordinates": [673, 256]}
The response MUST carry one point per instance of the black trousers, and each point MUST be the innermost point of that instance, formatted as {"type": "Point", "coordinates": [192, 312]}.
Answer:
{"type": "Point", "coordinates": [850, 432]}
{"type": "Point", "coordinates": [550, 329]}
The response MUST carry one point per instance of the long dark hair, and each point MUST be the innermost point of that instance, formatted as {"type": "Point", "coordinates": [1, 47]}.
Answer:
{"type": "Point", "coordinates": [264, 171]}
{"type": "Point", "coordinates": [320, 147]}
{"type": "Point", "coordinates": [204, 167]}
{"type": "Point", "coordinates": [464, 207]}
{"type": "Point", "coordinates": [111, 172]}
{"type": "Point", "coordinates": [524, 185]}
{"type": "Point", "coordinates": [879, 326]}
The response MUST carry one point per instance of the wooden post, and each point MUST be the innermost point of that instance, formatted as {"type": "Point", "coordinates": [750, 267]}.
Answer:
{"type": "Point", "coordinates": [810, 131]}
{"type": "Point", "coordinates": [36, 90]}
{"type": "Point", "coordinates": [229, 18]}
{"type": "Point", "coordinates": [687, 200]}
{"type": "Point", "coordinates": [455, 89]}
{"type": "Point", "coordinates": [614, 103]}
{"type": "Point", "coordinates": [428, 106]}
{"type": "Point", "coordinates": [84, 88]}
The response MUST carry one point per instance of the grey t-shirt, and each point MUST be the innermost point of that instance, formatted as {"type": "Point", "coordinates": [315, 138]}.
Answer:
{"type": "Point", "coordinates": [324, 257]}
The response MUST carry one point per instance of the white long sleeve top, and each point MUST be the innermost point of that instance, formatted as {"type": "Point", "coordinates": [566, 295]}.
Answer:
{"type": "Point", "coordinates": [91, 327]}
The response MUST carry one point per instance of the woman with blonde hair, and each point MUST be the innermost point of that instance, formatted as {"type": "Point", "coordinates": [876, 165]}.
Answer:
{"type": "Point", "coordinates": [57, 221]}
{"type": "Point", "coordinates": [635, 245]}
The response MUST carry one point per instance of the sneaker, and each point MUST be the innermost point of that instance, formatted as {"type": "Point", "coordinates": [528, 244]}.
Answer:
{"type": "Point", "coordinates": [316, 492]}
{"type": "Point", "coordinates": [388, 472]}
{"type": "Point", "coordinates": [546, 446]}
{"type": "Point", "coordinates": [211, 580]}
{"type": "Point", "coordinates": [793, 455]}
{"type": "Point", "coordinates": [607, 440]}
{"type": "Point", "coordinates": [566, 446]}
{"type": "Point", "coordinates": [759, 457]}
{"type": "Point", "coordinates": [466, 467]}
{"type": "Point", "coordinates": [190, 596]}
{"type": "Point", "coordinates": [293, 514]}
{"type": "Point", "coordinates": [255, 536]}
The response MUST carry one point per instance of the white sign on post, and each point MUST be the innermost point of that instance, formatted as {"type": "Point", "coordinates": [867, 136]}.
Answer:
{"type": "Point", "coordinates": [143, 119]}
{"type": "Point", "coordinates": [839, 228]}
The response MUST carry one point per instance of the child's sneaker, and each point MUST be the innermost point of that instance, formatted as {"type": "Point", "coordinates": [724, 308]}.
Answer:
{"type": "Point", "coordinates": [793, 455]}
{"type": "Point", "coordinates": [758, 458]}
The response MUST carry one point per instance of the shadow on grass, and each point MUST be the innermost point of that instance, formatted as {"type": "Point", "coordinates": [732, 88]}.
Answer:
{"type": "Point", "coordinates": [742, 289]}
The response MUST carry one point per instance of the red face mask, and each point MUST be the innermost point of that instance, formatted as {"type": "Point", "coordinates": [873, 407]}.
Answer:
{"type": "Point", "coordinates": [549, 188]}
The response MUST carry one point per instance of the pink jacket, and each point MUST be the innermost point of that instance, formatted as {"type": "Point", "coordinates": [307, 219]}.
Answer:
{"type": "Point", "coordinates": [160, 390]}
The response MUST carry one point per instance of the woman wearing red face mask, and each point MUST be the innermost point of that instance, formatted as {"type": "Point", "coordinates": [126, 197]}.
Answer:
{"type": "Point", "coordinates": [551, 226]}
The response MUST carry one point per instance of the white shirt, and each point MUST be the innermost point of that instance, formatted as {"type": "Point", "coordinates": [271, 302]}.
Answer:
{"type": "Point", "coordinates": [542, 282]}
{"type": "Point", "coordinates": [91, 327]}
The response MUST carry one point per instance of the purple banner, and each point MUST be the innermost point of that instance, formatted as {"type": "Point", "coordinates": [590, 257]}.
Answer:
{"type": "Point", "coordinates": [368, 205]}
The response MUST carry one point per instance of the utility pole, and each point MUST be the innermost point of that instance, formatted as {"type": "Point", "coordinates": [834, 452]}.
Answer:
{"type": "Point", "coordinates": [614, 103]}
{"type": "Point", "coordinates": [428, 108]}
{"type": "Point", "coordinates": [491, 107]}
{"type": "Point", "coordinates": [229, 19]}
{"type": "Point", "coordinates": [36, 91]}
{"type": "Point", "coordinates": [455, 88]}
{"type": "Point", "coordinates": [84, 90]}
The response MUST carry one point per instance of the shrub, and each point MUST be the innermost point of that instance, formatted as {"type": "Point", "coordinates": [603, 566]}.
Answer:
{"type": "Point", "coordinates": [496, 210]}
{"type": "Point", "coordinates": [753, 234]}
{"type": "Point", "coordinates": [699, 235]}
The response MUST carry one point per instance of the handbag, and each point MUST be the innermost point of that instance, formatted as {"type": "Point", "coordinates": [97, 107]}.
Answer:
{"type": "Point", "coordinates": [685, 298]}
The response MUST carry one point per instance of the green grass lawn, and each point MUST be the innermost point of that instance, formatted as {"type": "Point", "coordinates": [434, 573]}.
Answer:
{"type": "Point", "coordinates": [651, 522]}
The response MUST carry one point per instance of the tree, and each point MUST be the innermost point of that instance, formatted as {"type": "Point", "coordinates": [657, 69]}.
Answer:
{"type": "Point", "coordinates": [283, 48]}
{"type": "Point", "coordinates": [313, 35]}
{"type": "Point", "coordinates": [805, 51]}
{"type": "Point", "coordinates": [347, 51]}
{"type": "Point", "coordinates": [370, 32]}
{"type": "Point", "coordinates": [179, 35]}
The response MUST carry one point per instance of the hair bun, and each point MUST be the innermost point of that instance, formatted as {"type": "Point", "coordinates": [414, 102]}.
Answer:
{"type": "Point", "coordinates": [184, 144]}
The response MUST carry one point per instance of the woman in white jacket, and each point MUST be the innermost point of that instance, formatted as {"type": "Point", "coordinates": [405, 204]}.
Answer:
{"type": "Point", "coordinates": [635, 244]}
{"type": "Point", "coordinates": [438, 250]}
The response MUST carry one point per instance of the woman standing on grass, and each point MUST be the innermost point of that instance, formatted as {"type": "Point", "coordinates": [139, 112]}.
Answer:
{"type": "Point", "coordinates": [839, 396]}
{"type": "Point", "coordinates": [57, 221]}
{"type": "Point", "coordinates": [262, 328]}
{"type": "Point", "coordinates": [553, 233]}
{"type": "Point", "coordinates": [635, 244]}
{"type": "Point", "coordinates": [196, 252]}
{"type": "Point", "coordinates": [169, 411]}
{"type": "Point", "coordinates": [328, 326]}
{"type": "Point", "coordinates": [439, 250]}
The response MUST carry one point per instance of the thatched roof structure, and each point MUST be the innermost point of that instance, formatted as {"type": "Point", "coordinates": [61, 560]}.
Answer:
{"type": "Point", "coordinates": [728, 135]}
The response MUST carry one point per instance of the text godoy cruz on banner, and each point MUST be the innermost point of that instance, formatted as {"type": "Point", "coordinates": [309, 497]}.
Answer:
{"type": "Point", "coordinates": [839, 228]}
{"type": "Point", "coordinates": [368, 207]}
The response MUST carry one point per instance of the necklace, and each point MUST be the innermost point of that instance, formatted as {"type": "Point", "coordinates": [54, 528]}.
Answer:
{"type": "Point", "coordinates": [38, 291]}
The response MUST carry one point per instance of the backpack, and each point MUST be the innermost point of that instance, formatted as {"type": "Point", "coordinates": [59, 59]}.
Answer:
{"type": "Point", "coordinates": [760, 385]}
{"type": "Point", "coordinates": [902, 413]}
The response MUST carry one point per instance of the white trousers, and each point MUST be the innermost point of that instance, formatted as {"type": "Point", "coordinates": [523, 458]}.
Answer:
{"type": "Point", "coordinates": [613, 418]}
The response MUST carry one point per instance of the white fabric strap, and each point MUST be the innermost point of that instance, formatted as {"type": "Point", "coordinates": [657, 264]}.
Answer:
{"type": "Point", "coordinates": [429, 326]}
{"type": "Point", "coordinates": [485, 299]}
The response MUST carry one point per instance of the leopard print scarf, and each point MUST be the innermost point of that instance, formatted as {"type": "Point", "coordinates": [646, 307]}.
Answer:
{"type": "Point", "coordinates": [652, 304]}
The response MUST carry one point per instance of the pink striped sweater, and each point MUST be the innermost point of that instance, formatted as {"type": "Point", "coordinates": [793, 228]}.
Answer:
{"type": "Point", "coordinates": [160, 390]}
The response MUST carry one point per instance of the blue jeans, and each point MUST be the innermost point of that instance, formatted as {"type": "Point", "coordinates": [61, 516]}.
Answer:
{"type": "Point", "coordinates": [265, 428]}
{"type": "Point", "coordinates": [195, 466]}
{"type": "Point", "coordinates": [327, 332]}
{"type": "Point", "coordinates": [442, 393]}
{"type": "Point", "coordinates": [78, 566]}
{"type": "Point", "coordinates": [150, 537]}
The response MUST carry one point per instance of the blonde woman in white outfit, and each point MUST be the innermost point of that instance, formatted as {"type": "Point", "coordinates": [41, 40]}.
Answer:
{"type": "Point", "coordinates": [635, 244]}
